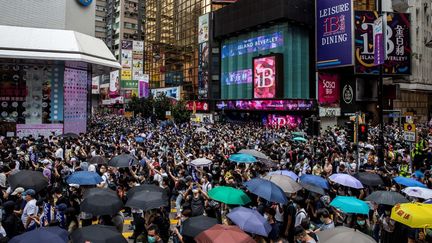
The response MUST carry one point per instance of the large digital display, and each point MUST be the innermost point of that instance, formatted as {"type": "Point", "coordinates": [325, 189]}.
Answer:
{"type": "Point", "coordinates": [279, 121]}
{"type": "Point", "coordinates": [238, 53]}
{"type": "Point", "coordinates": [267, 76]}
{"type": "Point", "coordinates": [266, 105]}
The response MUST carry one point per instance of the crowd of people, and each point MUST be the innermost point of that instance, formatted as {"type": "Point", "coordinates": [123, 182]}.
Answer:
{"type": "Point", "coordinates": [165, 151]}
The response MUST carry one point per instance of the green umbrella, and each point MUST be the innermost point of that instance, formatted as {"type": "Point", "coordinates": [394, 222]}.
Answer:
{"type": "Point", "coordinates": [229, 195]}
{"type": "Point", "coordinates": [298, 134]}
{"type": "Point", "coordinates": [300, 139]}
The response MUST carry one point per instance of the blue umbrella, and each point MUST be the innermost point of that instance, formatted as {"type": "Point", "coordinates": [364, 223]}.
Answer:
{"type": "Point", "coordinates": [139, 139]}
{"type": "Point", "coordinates": [44, 234]}
{"type": "Point", "coordinates": [428, 201]}
{"type": "Point", "coordinates": [314, 180]}
{"type": "Point", "coordinates": [250, 220]}
{"type": "Point", "coordinates": [84, 178]}
{"type": "Point", "coordinates": [267, 190]}
{"type": "Point", "coordinates": [242, 158]}
{"type": "Point", "coordinates": [418, 174]}
{"type": "Point", "coordinates": [288, 173]}
{"type": "Point", "coordinates": [350, 205]}
{"type": "Point", "coordinates": [408, 181]}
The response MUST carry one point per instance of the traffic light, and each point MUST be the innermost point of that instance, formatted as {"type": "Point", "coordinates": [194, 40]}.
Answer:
{"type": "Point", "coordinates": [349, 127]}
{"type": "Point", "coordinates": [362, 132]}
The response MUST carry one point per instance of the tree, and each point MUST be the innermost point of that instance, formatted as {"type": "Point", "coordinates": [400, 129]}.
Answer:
{"type": "Point", "coordinates": [161, 104]}
{"type": "Point", "coordinates": [180, 113]}
{"type": "Point", "coordinates": [142, 106]}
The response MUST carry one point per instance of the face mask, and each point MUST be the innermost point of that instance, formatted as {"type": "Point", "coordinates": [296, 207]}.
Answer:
{"type": "Point", "coordinates": [23, 197]}
{"type": "Point", "coordinates": [361, 222]}
{"type": "Point", "coordinates": [151, 239]}
{"type": "Point", "coordinates": [266, 216]}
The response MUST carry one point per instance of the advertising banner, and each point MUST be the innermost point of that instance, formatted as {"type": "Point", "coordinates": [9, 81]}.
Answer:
{"type": "Point", "coordinates": [203, 28]}
{"type": "Point", "coordinates": [397, 39]}
{"type": "Point", "coordinates": [114, 87]}
{"type": "Point", "coordinates": [265, 77]}
{"type": "Point", "coordinates": [126, 74]}
{"type": "Point", "coordinates": [126, 45]}
{"type": "Point", "coordinates": [260, 43]}
{"type": "Point", "coordinates": [237, 77]}
{"type": "Point", "coordinates": [197, 106]}
{"type": "Point", "coordinates": [126, 59]}
{"type": "Point", "coordinates": [328, 89]}
{"type": "Point", "coordinates": [143, 87]}
{"type": "Point", "coordinates": [279, 121]}
{"type": "Point", "coordinates": [379, 40]}
{"type": "Point", "coordinates": [203, 71]}
{"type": "Point", "coordinates": [95, 85]}
{"type": "Point", "coordinates": [137, 60]}
{"type": "Point", "coordinates": [129, 84]}
{"type": "Point", "coordinates": [266, 105]}
{"type": "Point", "coordinates": [46, 130]}
{"type": "Point", "coordinates": [334, 43]}
{"type": "Point", "coordinates": [348, 98]}
{"type": "Point", "coordinates": [172, 92]}
{"type": "Point", "coordinates": [75, 100]}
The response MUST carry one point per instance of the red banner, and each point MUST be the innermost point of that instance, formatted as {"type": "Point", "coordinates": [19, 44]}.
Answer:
{"type": "Point", "coordinates": [265, 77]}
{"type": "Point", "coordinates": [197, 106]}
{"type": "Point", "coordinates": [328, 89]}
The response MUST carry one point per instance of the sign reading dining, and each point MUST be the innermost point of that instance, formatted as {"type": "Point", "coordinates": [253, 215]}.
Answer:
{"type": "Point", "coordinates": [334, 33]}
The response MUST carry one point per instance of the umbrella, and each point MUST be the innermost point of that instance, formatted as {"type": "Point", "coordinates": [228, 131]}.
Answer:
{"type": "Point", "coordinates": [289, 173]}
{"type": "Point", "coordinates": [195, 225]}
{"type": "Point", "coordinates": [428, 201]}
{"type": "Point", "coordinates": [242, 158]}
{"type": "Point", "coordinates": [298, 134]}
{"type": "Point", "coordinates": [250, 221]}
{"type": "Point", "coordinates": [28, 179]}
{"type": "Point", "coordinates": [313, 188]}
{"type": "Point", "coordinates": [201, 162]}
{"type": "Point", "coordinates": [97, 234]}
{"type": "Point", "coordinates": [369, 179]}
{"type": "Point", "coordinates": [287, 184]}
{"type": "Point", "coordinates": [350, 205]}
{"type": "Point", "coordinates": [229, 195]}
{"type": "Point", "coordinates": [147, 200]}
{"type": "Point", "coordinates": [267, 190]}
{"type": "Point", "coordinates": [414, 215]}
{"type": "Point", "coordinates": [223, 234]}
{"type": "Point", "coordinates": [146, 188]}
{"type": "Point", "coordinates": [84, 178]}
{"type": "Point", "coordinates": [344, 234]}
{"type": "Point", "coordinates": [346, 180]}
{"type": "Point", "coordinates": [139, 139]}
{"type": "Point", "coordinates": [408, 182]}
{"type": "Point", "coordinates": [255, 153]}
{"type": "Point", "coordinates": [418, 192]}
{"type": "Point", "coordinates": [386, 197]}
{"type": "Point", "coordinates": [201, 129]}
{"type": "Point", "coordinates": [101, 201]}
{"type": "Point", "coordinates": [44, 234]}
{"type": "Point", "coordinates": [122, 161]}
{"type": "Point", "coordinates": [69, 135]}
{"type": "Point", "coordinates": [300, 139]}
{"type": "Point", "coordinates": [314, 180]}
{"type": "Point", "coordinates": [97, 160]}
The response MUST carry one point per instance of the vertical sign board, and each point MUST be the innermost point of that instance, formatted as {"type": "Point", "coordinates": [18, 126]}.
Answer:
{"type": "Point", "coordinates": [328, 89]}
{"type": "Point", "coordinates": [348, 98]}
{"type": "Point", "coordinates": [334, 33]}
{"type": "Point", "coordinates": [143, 87]}
{"type": "Point", "coordinates": [114, 85]}
{"type": "Point", "coordinates": [398, 44]}
{"type": "Point", "coordinates": [379, 41]}
{"type": "Point", "coordinates": [203, 55]}
{"type": "Point", "coordinates": [267, 75]}
{"type": "Point", "coordinates": [137, 60]}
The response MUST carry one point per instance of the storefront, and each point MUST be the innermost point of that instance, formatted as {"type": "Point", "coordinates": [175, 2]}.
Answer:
{"type": "Point", "coordinates": [46, 80]}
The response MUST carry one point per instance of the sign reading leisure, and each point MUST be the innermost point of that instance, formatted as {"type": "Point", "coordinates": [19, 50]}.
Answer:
{"type": "Point", "coordinates": [334, 27]}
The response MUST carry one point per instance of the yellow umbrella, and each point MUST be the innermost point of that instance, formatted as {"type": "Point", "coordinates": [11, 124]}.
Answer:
{"type": "Point", "coordinates": [414, 215]}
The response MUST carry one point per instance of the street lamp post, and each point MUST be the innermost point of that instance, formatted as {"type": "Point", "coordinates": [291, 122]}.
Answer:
{"type": "Point", "coordinates": [381, 99]}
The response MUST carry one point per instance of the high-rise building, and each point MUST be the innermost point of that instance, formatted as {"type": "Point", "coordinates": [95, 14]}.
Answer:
{"type": "Point", "coordinates": [100, 25]}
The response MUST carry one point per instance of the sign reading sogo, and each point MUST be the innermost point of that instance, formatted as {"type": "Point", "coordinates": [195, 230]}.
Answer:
{"type": "Point", "coordinates": [329, 111]}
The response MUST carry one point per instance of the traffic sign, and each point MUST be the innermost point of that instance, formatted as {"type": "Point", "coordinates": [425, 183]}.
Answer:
{"type": "Point", "coordinates": [408, 127]}
{"type": "Point", "coordinates": [410, 136]}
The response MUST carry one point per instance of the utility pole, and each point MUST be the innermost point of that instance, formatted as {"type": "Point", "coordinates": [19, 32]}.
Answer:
{"type": "Point", "coordinates": [380, 98]}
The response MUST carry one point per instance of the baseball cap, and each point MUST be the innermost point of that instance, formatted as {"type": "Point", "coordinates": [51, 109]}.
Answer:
{"type": "Point", "coordinates": [17, 190]}
{"type": "Point", "coordinates": [30, 192]}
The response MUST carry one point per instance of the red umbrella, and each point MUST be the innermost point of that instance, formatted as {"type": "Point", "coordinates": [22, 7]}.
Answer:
{"type": "Point", "coordinates": [223, 234]}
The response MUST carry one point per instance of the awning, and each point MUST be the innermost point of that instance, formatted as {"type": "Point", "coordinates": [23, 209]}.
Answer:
{"type": "Point", "coordinates": [53, 44]}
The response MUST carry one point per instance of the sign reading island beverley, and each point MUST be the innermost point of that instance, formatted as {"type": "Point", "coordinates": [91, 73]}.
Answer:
{"type": "Point", "coordinates": [334, 28]}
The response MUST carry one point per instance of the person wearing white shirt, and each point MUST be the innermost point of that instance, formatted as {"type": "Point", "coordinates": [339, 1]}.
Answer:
{"type": "Point", "coordinates": [30, 210]}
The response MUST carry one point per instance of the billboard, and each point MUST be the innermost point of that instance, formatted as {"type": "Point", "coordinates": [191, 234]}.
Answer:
{"type": "Point", "coordinates": [143, 87]}
{"type": "Point", "coordinates": [126, 74]}
{"type": "Point", "coordinates": [398, 48]}
{"type": "Point", "coordinates": [334, 32]}
{"type": "Point", "coordinates": [266, 105]}
{"type": "Point", "coordinates": [126, 45]}
{"type": "Point", "coordinates": [203, 70]}
{"type": "Point", "coordinates": [75, 100]}
{"type": "Point", "coordinates": [137, 60]}
{"type": "Point", "coordinates": [259, 43]}
{"type": "Point", "coordinates": [348, 97]}
{"type": "Point", "coordinates": [203, 28]}
{"type": "Point", "coordinates": [267, 76]}
{"type": "Point", "coordinates": [197, 106]}
{"type": "Point", "coordinates": [172, 92]}
{"type": "Point", "coordinates": [35, 130]}
{"type": "Point", "coordinates": [275, 120]}
{"type": "Point", "coordinates": [114, 85]}
{"type": "Point", "coordinates": [95, 85]}
{"type": "Point", "coordinates": [328, 89]}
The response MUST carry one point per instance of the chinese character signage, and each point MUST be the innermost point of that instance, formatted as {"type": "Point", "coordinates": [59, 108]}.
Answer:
{"type": "Point", "coordinates": [334, 44]}
{"type": "Point", "coordinates": [397, 39]}
{"type": "Point", "coordinates": [203, 28]}
{"type": "Point", "coordinates": [266, 105]}
{"type": "Point", "coordinates": [265, 76]}
{"type": "Point", "coordinates": [114, 86]}
{"type": "Point", "coordinates": [143, 87]}
{"type": "Point", "coordinates": [137, 60]}
{"type": "Point", "coordinates": [379, 40]}
{"type": "Point", "coordinates": [328, 89]}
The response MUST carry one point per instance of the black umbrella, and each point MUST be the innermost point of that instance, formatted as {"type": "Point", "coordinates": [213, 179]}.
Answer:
{"type": "Point", "coordinates": [122, 161]}
{"type": "Point", "coordinates": [101, 201]}
{"type": "Point", "coordinates": [386, 197]}
{"type": "Point", "coordinates": [69, 135]}
{"type": "Point", "coordinates": [28, 179]}
{"type": "Point", "coordinates": [146, 188]}
{"type": "Point", "coordinates": [97, 234]}
{"type": "Point", "coordinates": [97, 160]}
{"type": "Point", "coordinates": [146, 200]}
{"type": "Point", "coordinates": [313, 188]}
{"type": "Point", "coordinates": [369, 179]}
{"type": "Point", "coordinates": [195, 225]}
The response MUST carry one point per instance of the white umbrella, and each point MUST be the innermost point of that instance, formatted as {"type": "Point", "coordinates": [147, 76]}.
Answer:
{"type": "Point", "coordinates": [287, 184]}
{"type": "Point", "coordinates": [346, 180]}
{"type": "Point", "coordinates": [254, 153]}
{"type": "Point", "coordinates": [201, 162]}
{"type": "Point", "coordinates": [418, 192]}
{"type": "Point", "coordinates": [201, 129]}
